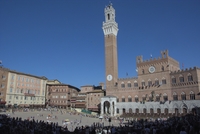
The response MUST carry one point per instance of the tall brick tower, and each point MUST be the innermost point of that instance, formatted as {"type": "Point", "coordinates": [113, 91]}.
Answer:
{"type": "Point", "coordinates": [110, 29]}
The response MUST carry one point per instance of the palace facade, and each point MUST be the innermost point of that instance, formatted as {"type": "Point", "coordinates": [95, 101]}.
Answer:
{"type": "Point", "coordinates": [160, 87]}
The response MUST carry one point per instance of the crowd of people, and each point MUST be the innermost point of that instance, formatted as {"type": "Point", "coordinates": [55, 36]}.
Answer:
{"type": "Point", "coordinates": [188, 124]}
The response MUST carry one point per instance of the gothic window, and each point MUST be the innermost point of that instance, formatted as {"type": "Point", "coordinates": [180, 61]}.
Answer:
{"type": "Point", "coordinates": [181, 79]}
{"type": "Point", "coordinates": [164, 82]}
{"type": "Point", "coordinates": [143, 83]}
{"type": "Point", "coordinates": [129, 84]}
{"type": "Point", "coordinates": [192, 96]}
{"type": "Point", "coordinates": [144, 98]}
{"type": "Point", "coordinates": [190, 78]}
{"type": "Point", "coordinates": [122, 85]}
{"type": "Point", "coordinates": [157, 98]}
{"type": "Point", "coordinates": [173, 80]}
{"type": "Point", "coordinates": [183, 96]}
{"type": "Point", "coordinates": [150, 98]}
{"type": "Point", "coordinates": [175, 96]}
{"type": "Point", "coordinates": [157, 82]}
{"type": "Point", "coordinates": [135, 84]}
{"type": "Point", "coordinates": [123, 99]}
{"type": "Point", "coordinates": [149, 83]}
{"type": "Point", "coordinates": [108, 16]}
{"type": "Point", "coordinates": [165, 97]}
{"type": "Point", "coordinates": [136, 99]}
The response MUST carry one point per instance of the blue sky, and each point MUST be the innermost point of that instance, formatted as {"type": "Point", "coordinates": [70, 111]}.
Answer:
{"type": "Point", "coordinates": [64, 40]}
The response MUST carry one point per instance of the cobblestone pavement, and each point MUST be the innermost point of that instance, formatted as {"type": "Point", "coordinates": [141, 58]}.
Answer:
{"type": "Point", "coordinates": [84, 120]}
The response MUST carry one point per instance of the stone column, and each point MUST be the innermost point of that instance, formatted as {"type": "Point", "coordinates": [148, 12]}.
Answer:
{"type": "Point", "coordinates": [102, 109]}
{"type": "Point", "coordinates": [111, 110]}
{"type": "Point", "coordinates": [115, 110]}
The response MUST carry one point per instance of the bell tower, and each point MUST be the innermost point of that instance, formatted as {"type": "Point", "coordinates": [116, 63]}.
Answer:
{"type": "Point", "coordinates": [110, 29]}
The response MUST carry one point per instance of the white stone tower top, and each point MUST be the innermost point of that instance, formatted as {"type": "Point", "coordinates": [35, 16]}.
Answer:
{"type": "Point", "coordinates": [110, 26]}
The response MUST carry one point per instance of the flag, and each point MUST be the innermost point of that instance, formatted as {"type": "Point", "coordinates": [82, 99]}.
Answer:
{"type": "Point", "coordinates": [182, 65]}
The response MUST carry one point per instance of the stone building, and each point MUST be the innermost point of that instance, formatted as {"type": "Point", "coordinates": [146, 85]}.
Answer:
{"type": "Point", "coordinates": [61, 95]}
{"type": "Point", "coordinates": [25, 90]}
{"type": "Point", "coordinates": [160, 86]}
{"type": "Point", "coordinates": [89, 98]}
{"type": "Point", "coordinates": [3, 84]}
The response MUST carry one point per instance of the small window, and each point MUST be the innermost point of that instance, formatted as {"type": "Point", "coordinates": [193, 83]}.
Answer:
{"type": "Point", "coordinates": [123, 99]}
{"type": "Point", "coordinates": [135, 84]}
{"type": "Point", "coordinates": [136, 99]}
{"type": "Point", "coordinates": [117, 99]}
{"type": "Point", "coordinates": [129, 84]}
{"type": "Point", "coordinates": [157, 98]}
{"type": "Point", "coordinates": [164, 82]}
{"type": "Point", "coordinates": [3, 77]}
{"type": "Point", "coordinates": [181, 79]}
{"type": "Point", "coordinates": [143, 83]}
{"type": "Point", "coordinates": [151, 98]}
{"type": "Point", "coordinates": [142, 71]}
{"type": "Point", "coordinates": [175, 97]}
{"type": "Point", "coordinates": [190, 78]}
{"type": "Point", "coordinates": [129, 99]}
{"type": "Point", "coordinates": [11, 90]}
{"type": "Point", "coordinates": [173, 80]}
{"type": "Point", "coordinates": [12, 77]}
{"type": "Point", "coordinates": [149, 83]}
{"type": "Point", "coordinates": [144, 98]}
{"type": "Point", "coordinates": [123, 85]}
{"type": "Point", "coordinates": [165, 98]}
{"type": "Point", "coordinates": [192, 96]}
{"type": "Point", "coordinates": [183, 96]}
{"type": "Point", "coordinates": [157, 82]}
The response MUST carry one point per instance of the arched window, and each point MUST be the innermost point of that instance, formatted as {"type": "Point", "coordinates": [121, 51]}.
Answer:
{"type": "Point", "coordinates": [181, 78]}
{"type": "Point", "coordinates": [122, 85]}
{"type": "Point", "coordinates": [157, 97]}
{"type": "Point", "coordinates": [192, 95]}
{"type": "Point", "coordinates": [123, 99]}
{"type": "Point", "coordinates": [136, 98]}
{"type": "Point", "coordinates": [183, 96]}
{"type": "Point", "coordinates": [173, 80]}
{"type": "Point", "coordinates": [129, 84]}
{"type": "Point", "coordinates": [175, 96]}
{"type": "Point", "coordinates": [108, 16]}
{"type": "Point", "coordinates": [190, 78]}
{"type": "Point", "coordinates": [165, 97]}
{"type": "Point", "coordinates": [129, 99]}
